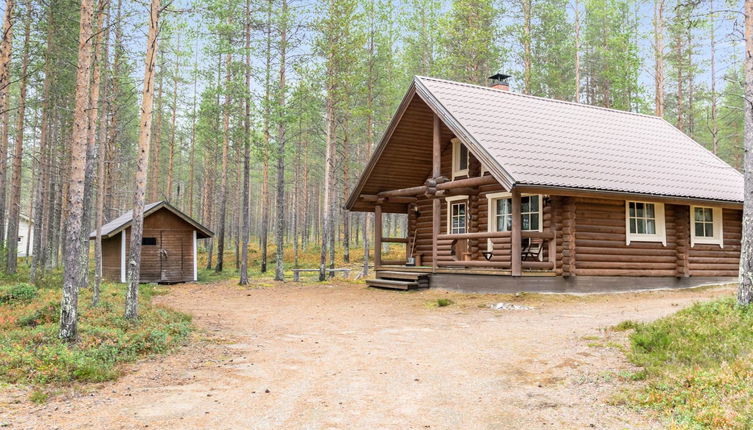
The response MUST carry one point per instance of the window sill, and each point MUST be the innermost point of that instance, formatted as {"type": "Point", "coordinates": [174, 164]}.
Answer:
{"type": "Point", "coordinates": [653, 238]}
{"type": "Point", "coordinates": [706, 241]}
{"type": "Point", "coordinates": [459, 173]}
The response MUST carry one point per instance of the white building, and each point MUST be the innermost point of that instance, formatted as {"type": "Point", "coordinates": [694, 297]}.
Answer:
{"type": "Point", "coordinates": [25, 235]}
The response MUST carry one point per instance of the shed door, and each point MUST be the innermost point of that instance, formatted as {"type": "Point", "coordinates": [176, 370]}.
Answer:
{"type": "Point", "coordinates": [150, 256]}
{"type": "Point", "coordinates": [171, 256]}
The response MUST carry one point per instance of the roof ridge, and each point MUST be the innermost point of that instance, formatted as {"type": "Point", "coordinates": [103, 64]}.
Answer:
{"type": "Point", "coordinates": [513, 93]}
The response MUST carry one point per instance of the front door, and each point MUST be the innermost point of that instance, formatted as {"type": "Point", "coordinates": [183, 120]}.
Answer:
{"type": "Point", "coordinates": [150, 256]}
{"type": "Point", "coordinates": [171, 256]}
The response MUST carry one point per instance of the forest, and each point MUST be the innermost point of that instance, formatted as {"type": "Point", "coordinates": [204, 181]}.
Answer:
{"type": "Point", "coordinates": [256, 117]}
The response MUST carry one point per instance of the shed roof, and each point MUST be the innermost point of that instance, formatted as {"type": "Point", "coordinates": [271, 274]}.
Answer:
{"type": "Point", "coordinates": [124, 221]}
{"type": "Point", "coordinates": [527, 140]}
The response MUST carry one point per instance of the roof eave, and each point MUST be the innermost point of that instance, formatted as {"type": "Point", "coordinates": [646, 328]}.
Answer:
{"type": "Point", "coordinates": [492, 165]}
{"type": "Point", "coordinates": [625, 195]}
{"type": "Point", "coordinates": [354, 195]}
{"type": "Point", "coordinates": [155, 208]}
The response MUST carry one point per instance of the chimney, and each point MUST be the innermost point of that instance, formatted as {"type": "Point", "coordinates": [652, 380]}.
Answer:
{"type": "Point", "coordinates": [499, 81]}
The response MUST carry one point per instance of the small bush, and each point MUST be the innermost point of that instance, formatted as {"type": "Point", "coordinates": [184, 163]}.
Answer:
{"type": "Point", "coordinates": [20, 293]}
{"type": "Point", "coordinates": [49, 313]}
{"type": "Point", "coordinates": [626, 325]}
{"type": "Point", "coordinates": [444, 302]}
{"type": "Point", "coordinates": [39, 397]}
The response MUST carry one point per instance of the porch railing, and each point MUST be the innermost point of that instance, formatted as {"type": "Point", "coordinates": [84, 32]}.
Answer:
{"type": "Point", "coordinates": [549, 236]}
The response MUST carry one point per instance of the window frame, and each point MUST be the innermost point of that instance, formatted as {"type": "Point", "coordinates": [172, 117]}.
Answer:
{"type": "Point", "coordinates": [456, 147]}
{"type": "Point", "coordinates": [491, 215]}
{"type": "Point", "coordinates": [453, 200]}
{"type": "Point", "coordinates": [717, 224]}
{"type": "Point", "coordinates": [659, 219]}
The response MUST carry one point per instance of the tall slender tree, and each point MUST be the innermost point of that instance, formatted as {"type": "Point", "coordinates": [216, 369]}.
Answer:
{"type": "Point", "coordinates": [14, 207]}
{"type": "Point", "coordinates": [73, 222]}
{"type": "Point", "coordinates": [6, 46]}
{"type": "Point", "coordinates": [281, 137]}
{"type": "Point", "coordinates": [145, 128]}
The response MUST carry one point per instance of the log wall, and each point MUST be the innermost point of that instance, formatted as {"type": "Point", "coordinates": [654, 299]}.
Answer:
{"type": "Point", "coordinates": [590, 237]}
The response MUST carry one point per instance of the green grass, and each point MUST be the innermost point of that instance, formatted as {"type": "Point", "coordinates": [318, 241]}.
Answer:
{"type": "Point", "coordinates": [31, 353]}
{"type": "Point", "coordinates": [697, 366]}
{"type": "Point", "coordinates": [444, 302]}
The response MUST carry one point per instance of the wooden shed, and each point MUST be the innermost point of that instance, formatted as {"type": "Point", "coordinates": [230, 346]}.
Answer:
{"type": "Point", "coordinates": [507, 192]}
{"type": "Point", "coordinates": [169, 245]}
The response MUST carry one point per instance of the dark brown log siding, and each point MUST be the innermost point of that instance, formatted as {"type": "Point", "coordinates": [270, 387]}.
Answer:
{"type": "Point", "coordinates": [590, 236]}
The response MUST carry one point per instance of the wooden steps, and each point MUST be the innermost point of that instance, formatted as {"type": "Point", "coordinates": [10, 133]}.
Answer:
{"type": "Point", "coordinates": [397, 280]}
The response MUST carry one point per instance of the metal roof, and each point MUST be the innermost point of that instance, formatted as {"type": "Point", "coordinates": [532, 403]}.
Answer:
{"type": "Point", "coordinates": [124, 221]}
{"type": "Point", "coordinates": [531, 140]}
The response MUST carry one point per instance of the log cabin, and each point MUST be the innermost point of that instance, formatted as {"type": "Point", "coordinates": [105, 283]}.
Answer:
{"type": "Point", "coordinates": [168, 247]}
{"type": "Point", "coordinates": [507, 192]}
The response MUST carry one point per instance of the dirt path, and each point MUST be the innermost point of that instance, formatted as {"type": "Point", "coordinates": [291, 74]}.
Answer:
{"type": "Point", "coordinates": [346, 357]}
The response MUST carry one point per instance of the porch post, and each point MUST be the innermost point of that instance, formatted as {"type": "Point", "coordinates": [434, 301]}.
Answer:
{"type": "Point", "coordinates": [436, 209]}
{"type": "Point", "coordinates": [436, 158]}
{"type": "Point", "coordinates": [377, 236]}
{"type": "Point", "coordinates": [516, 234]}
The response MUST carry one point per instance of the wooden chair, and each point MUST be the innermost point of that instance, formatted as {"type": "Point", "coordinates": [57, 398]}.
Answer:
{"type": "Point", "coordinates": [532, 248]}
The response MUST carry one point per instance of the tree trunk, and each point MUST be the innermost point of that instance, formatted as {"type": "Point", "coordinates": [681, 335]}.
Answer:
{"type": "Point", "coordinates": [173, 116]}
{"type": "Point", "coordinates": [280, 227]}
{"type": "Point", "coordinates": [267, 115]}
{"type": "Point", "coordinates": [245, 216]}
{"type": "Point", "coordinates": [527, 55]}
{"type": "Point", "coordinates": [745, 292]}
{"type": "Point", "coordinates": [577, 52]}
{"type": "Point", "coordinates": [41, 208]}
{"type": "Point", "coordinates": [329, 168]}
{"type": "Point", "coordinates": [72, 266]}
{"type": "Point", "coordinates": [14, 207]}
{"type": "Point", "coordinates": [714, 126]}
{"type": "Point", "coordinates": [6, 47]}
{"type": "Point", "coordinates": [142, 164]}
{"type": "Point", "coordinates": [101, 154]}
{"type": "Point", "coordinates": [225, 149]}
{"type": "Point", "coordinates": [91, 149]}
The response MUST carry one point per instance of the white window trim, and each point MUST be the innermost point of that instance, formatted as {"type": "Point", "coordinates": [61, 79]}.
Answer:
{"type": "Point", "coordinates": [456, 171]}
{"type": "Point", "coordinates": [661, 231]}
{"type": "Point", "coordinates": [195, 263]}
{"type": "Point", "coordinates": [450, 200]}
{"type": "Point", "coordinates": [491, 214]}
{"type": "Point", "coordinates": [123, 257]}
{"type": "Point", "coordinates": [718, 238]}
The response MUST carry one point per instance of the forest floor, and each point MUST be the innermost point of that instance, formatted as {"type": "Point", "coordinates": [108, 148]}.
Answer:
{"type": "Point", "coordinates": [342, 356]}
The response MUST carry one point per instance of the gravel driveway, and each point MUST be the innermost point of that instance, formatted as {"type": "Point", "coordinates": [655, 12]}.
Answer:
{"type": "Point", "coordinates": [341, 356]}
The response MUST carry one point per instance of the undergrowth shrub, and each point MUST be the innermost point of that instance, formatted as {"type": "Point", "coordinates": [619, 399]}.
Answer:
{"type": "Point", "coordinates": [697, 366]}
{"type": "Point", "coordinates": [19, 293]}
{"type": "Point", "coordinates": [30, 351]}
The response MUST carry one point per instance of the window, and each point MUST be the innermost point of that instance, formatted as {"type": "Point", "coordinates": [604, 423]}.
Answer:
{"type": "Point", "coordinates": [500, 212]}
{"type": "Point", "coordinates": [148, 240]}
{"type": "Point", "coordinates": [706, 226]}
{"type": "Point", "coordinates": [457, 214]}
{"type": "Point", "coordinates": [645, 222]}
{"type": "Point", "coordinates": [459, 159]}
